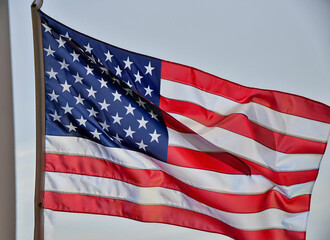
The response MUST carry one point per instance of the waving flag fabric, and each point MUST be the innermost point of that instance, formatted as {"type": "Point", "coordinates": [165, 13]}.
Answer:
{"type": "Point", "coordinates": [137, 137]}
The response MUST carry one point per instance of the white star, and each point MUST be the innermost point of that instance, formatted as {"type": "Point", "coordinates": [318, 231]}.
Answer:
{"type": "Point", "coordinates": [52, 74]}
{"type": "Point", "coordinates": [118, 70]}
{"type": "Point", "coordinates": [66, 36]}
{"type": "Point", "coordinates": [104, 105]}
{"type": "Point", "coordinates": [116, 119]}
{"type": "Point", "coordinates": [128, 63]}
{"type": "Point", "coordinates": [154, 136]}
{"type": "Point", "coordinates": [115, 80]}
{"type": "Point", "coordinates": [79, 100]}
{"type": "Point", "coordinates": [47, 28]}
{"type": "Point", "coordinates": [66, 86]}
{"type": "Point", "coordinates": [82, 121]}
{"type": "Point", "coordinates": [78, 78]}
{"type": "Point", "coordinates": [91, 92]}
{"type": "Point", "coordinates": [129, 91]}
{"type": "Point", "coordinates": [104, 70]}
{"type": "Point", "coordinates": [53, 96]}
{"type": "Point", "coordinates": [71, 127]}
{"type": "Point", "coordinates": [49, 51]}
{"type": "Point", "coordinates": [88, 48]}
{"type": "Point", "coordinates": [129, 84]}
{"type": "Point", "coordinates": [141, 103]}
{"type": "Point", "coordinates": [138, 77]}
{"type": "Point", "coordinates": [149, 69]}
{"type": "Point", "coordinates": [92, 112]}
{"type": "Point", "coordinates": [118, 138]}
{"type": "Point", "coordinates": [105, 126]}
{"type": "Point", "coordinates": [142, 145]}
{"type": "Point", "coordinates": [103, 83]}
{"type": "Point", "coordinates": [129, 109]}
{"type": "Point", "coordinates": [89, 70]}
{"type": "Point", "coordinates": [109, 56]}
{"type": "Point", "coordinates": [117, 96]}
{"type": "Point", "coordinates": [75, 56]}
{"type": "Point", "coordinates": [64, 65]}
{"type": "Point", "coordinates": [153, 115]}
{"type": "Point", "coordinates": [67, 109]}
{"type": "Point", "coordinates": [129, 132]}
{"type": "Point", "coordinates": [142, 123]}
{"type": "Point", "coordinates": [55, 117]}
{"type": "Point", "coordinates": [92, 59]}
{"type": "Point", "coordinates": [96, 134]}
{"type": "Point", "coordinates": [148, 91]}
{"type": "Point", "coordinates": [61, 42]}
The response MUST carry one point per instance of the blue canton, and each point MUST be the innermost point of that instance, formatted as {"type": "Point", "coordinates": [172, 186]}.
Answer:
{"type": "Point", "coordinates": [101, 92]}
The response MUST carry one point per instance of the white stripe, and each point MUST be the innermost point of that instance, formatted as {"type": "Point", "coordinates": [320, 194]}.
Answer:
{"type": "Point", "coordinates": [203, 179]}
{"type": "Point", "coordinates": [58, 225]}
{"type": "Point", "coordinates": [264, 116]}
{"type": "Point", "coordinates": [110, 188]}
{"type": "Point", "coordinates": [210, 138]}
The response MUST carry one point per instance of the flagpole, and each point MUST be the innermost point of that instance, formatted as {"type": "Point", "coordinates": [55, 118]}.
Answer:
{"type": "Point", "coordinates": [7, 149]}
{"type": "Point", "coordinates": [40, 121]}
{"type": "Point", "coordinates": [38, 4]}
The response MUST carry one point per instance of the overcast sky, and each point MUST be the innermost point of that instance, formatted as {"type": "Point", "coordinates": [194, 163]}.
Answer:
{"type": "Point", "coordinates": [281, 45]}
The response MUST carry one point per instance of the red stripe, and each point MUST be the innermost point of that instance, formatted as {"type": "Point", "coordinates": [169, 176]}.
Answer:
{"type": "Point", "coordinates": [218, 162]}
{"type": "Point", "coordinates": [158, 214]}
{"type": "Point", "coordinates": [279, 101]}
{"type": "Point", "coordinates": [173, 123]}
{"type": "Point", "coordinates": [240, 124]}
{"type": "Point", "coordinates": [156, 178]}
{"type": "Point", "coordinates": [221, 162]}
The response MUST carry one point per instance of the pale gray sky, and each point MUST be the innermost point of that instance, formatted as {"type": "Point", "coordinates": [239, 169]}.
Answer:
{"type": "Point", "coordinates": [282, 45]}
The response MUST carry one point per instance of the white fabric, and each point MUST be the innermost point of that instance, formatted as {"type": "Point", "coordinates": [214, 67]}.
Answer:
{"type": "Point", "coordinates": [203, 179]}
{"type": "Point", "coordinates": [269, 118]}
{"type": "Point", "coordinates": [211, 138]}
{"type": "Point", "coordinates": [104, 187]}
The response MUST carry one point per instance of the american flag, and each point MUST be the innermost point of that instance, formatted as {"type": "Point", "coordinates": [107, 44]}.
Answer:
{"type": "Point", "coordinates": [134, 136]}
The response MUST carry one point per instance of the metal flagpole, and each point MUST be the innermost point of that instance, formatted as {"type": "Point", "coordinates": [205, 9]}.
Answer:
{"type": "Point", "coordinates": [40, 118]}
{"type": "Point", "coordinates": [7, 170]}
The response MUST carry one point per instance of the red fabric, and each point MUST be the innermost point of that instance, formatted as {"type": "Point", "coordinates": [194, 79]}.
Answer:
{"type": "Point", "coordinates": [156, 213]}
{"type": "Point", "coordinates": [279, 101]}
{"type": "Point", "coordinates": [223, 162]}
{"type": "Point", "coordinates": [155, 178]}
{"type": "Point", "coordinates": [240, 124]}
